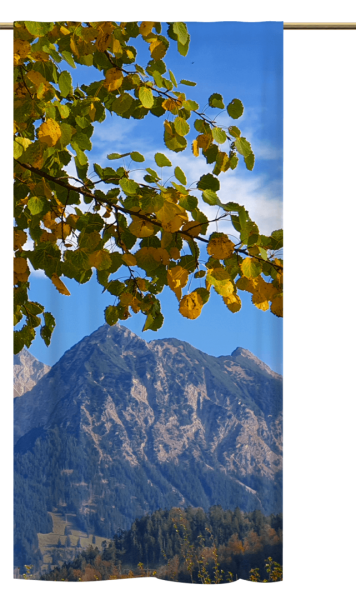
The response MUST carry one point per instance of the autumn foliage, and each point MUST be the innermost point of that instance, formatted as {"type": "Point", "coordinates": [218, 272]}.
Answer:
{"type": "Point", "coordinates": [136, 236]}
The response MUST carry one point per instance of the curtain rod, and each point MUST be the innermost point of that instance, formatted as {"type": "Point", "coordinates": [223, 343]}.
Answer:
{"type": "Point", "coordinates": [285, 26]}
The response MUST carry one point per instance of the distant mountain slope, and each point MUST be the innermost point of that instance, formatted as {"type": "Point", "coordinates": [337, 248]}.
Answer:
{"type": "Point", "coordinates": [120, 427]}
{"type": "Point", "coordinates": [27, 372]}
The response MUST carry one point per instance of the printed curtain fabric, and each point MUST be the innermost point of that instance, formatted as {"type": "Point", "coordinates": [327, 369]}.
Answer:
{"type": "Point", "coordinates": [148, 301]}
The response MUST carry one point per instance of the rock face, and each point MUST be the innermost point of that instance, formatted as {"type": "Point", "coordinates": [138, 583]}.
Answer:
{"type": "Point", "coordinates": [27, 372]}
{"type": "Point", "coordinates": [137, 426]}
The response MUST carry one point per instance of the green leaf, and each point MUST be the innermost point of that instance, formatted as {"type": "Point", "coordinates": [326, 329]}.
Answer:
{"type": "Point", "coordinates": [172, 78]}
{"type": "Point", "coordinates": [129, 186]}
{"type": "Point", "coordinates": [183, 49]}
{"type": "Point", "coordinates": [233, 130]}
{"type": "Point", "coordinates": [114, 156]}
{"type": "Point", "coordinates": [122, 104]}
{"type": "Point", "coordinates": [179, 174]}
{"type": "Point", "coordinates": [243, 146]}
{"type": "Point", "coordinates": [233, 161]}
{"type": "Point", "coordinates": [219, 135]}
{"type": "Point", "coordinates": [216, 101]}
{"type": "Point", "coordinates": [189, 203]}
{"type": "Point", "coordinates": [152, 173]}
{"type": "Point", "coordinates": [146, 96]}
{"type": "Point", "coordinates": [17, 149]}
{"type": "Point", "coordinates": [208, 182]}
{"type": "Point", "coordinates": [211, 198]}
{"type": "Point", "coordinates": [153, 322]}
{"type": "Point", "coordinates": [38, 29]}
{"type": "Point", "coordinates": [69, 58]}
{"type": "Point", "coordinates": [180, 188]}
{"type": "Point", "coordinates": [201, 126]}
{"type": "Point", "coordinates": [111, 315]}
{"type": "Point", "coordinates": [82, 141]}
{"type": "Point", "coordinates": [174, 142]}
{"type": "Point", "coordinates": [235, 109]}
{"type": "Point", "coordinates": [158, 79]}
{"type": "Point", "coordinates": [250, 268]}
{"type": "Point", "coordinates": [186, 82]}
{"type": "Point", "coordinates": [190, 105]}
{"type": "Point", "coordinates": [36, 205]}
{"type": "Point", "coordinates": [181, 31]}
{"type": "Point", "coordinates": [115, 287]}
{"type": "Point", "coordinates": [181, 126]}
{"type": "Point", "coordinates": [34, 308]}
{"type": "Point", "coordinates": [65, 83]}
{"type": "Point", "coordinates": [162, 160]}
{"type": "Point", "coordinates": [18, 341]}
{"type": "Point", "coordinates": [81, 158]}
{"type": "Point", "coordinates": [250, 161]}
{"type": "Point", "coordinates": [63, 109]}
{"type": "Point", "coordinates": [47, 329]}
{"type": "Point", "coordinates": [137, 157]}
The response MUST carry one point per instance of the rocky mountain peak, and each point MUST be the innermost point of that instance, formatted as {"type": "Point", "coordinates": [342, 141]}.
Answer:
{"type": "Point", "coordinates": [27, 372]}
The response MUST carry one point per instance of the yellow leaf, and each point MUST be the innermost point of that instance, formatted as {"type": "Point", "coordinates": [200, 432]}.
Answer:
{"type": "Point", "coordinates": [173, 107]}
{"type": "Point", "coordinates": [62, 230]}
{"type": "Point", "coordinates": [146, 27]}
{"type": "Point", "coordinates": [220, 279]}
{"type": "Point", "coordinates": [40, 56]}
{"type": "Point", "coordinates": [166, 239]}
{"type": "Point", "coordinates": [20, 265]}
{"type": "Point", "coordinates": [48, 237]}
{"type": "Point", "coordinates": [204, 140]}
{"type": "Point", "coordinates": [174, 253]}
{"type": "Point", "coordinates": [100, 259]}
{"type": "Point", "coordinates": [247, 285]}
{"type": "Point", "coordinates": [141, 229]}
{"type": "Point", "coordinates": [160, 255]}
{"type": "Point", "coordinates": [64, 30]}
{"type": "Point", "coordinates": [73, 46]}
{"type": "Point", "coordinates": [220, 247]}
{"type": "Point", "coordinates": [260, 301]}
{"type": "Point", "coordinates": [49, 132]}
{"type": "Point", "coordinates": [49, 219]}
{"type": "Point", "coordinates": [277, 306]}
{"type": "Point", "coordinates": [20, 238]}
{"type": "Point", "coordinates": [191, 305]}
{"type": "Point", "coordinates": [158, 49]}
{"type": "Point", "coordinates": [92, 112]}
{"type": "Point", "coordinates": [141, 284]}
{"type": "Point", "coordinates": [177, 278]}
{"type": "Point", "coordinates": [22, 276]}
{"type": "Point", "coordinates": [71, 220]}
{"type": "Point", "coordinates": [251, 268]}
{"type": "Point", "coordinates": [192, 227]}
{"type": "Point", "coordinates": [129, 260]}
{"type": "Point", "coordinates": [195, 148]}
{"type": "Point", "coordinates": [22, 48]}
{"type": "Point", "coordinates": [116, 46]}
{"type": "Point", "coordinates": [36, 78]}
{"type": "Point", "coordinates": [171, 216]}
{"type": "Point", "coordinates": [233, 302]}
{"type": "Point", "coordinates": [59, 285]}
{"type": "Point", "coordinates": [104, 38]}
{"type": "Point", "coordinates": [113, 79]}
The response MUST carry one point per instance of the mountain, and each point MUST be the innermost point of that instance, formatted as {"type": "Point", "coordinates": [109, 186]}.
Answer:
{"type": "Point", "coordinates": [120, 427]}
{"type": "Point", "coordinates": [27, 372]}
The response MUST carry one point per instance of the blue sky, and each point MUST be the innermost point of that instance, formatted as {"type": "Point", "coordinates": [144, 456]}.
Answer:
{"type": "Point", "coordinates": [243, 60]}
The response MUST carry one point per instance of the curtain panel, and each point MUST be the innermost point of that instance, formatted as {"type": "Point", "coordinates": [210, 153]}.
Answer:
{"type": "Point", "coordinates": [148, 301]}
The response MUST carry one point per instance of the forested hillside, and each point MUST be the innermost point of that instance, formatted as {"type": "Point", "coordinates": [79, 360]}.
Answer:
{"type": "Point", "coordinates": [183, 545]}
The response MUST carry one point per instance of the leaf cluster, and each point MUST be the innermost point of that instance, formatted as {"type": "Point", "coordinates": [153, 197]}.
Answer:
{"type": "Point", "coordinates": [137, 237]}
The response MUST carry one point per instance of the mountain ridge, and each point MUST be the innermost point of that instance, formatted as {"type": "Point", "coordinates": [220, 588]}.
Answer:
{"type": "Point", "coordinates": [120, 427]}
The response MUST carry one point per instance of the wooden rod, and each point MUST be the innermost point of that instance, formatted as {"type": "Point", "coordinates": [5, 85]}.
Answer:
{"type": "Point", "coordinates": [285, 26]}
